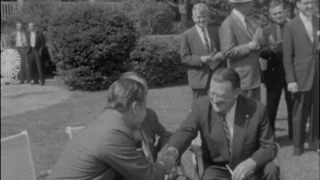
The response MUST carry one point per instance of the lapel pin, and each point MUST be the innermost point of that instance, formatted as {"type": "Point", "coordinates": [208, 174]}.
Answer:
{"type": "Point", "coordinates": [247, 116]}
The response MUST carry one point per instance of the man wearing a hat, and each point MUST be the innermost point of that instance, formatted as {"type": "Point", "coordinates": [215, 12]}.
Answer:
{"type": "Point", "coordinates": [241, 48]}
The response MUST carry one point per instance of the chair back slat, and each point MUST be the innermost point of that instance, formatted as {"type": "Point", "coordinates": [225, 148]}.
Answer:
{"type": "Point", "coordinates": [16, 158]}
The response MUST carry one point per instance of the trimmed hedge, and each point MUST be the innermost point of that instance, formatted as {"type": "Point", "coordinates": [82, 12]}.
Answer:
{"type": "Point", "coordinates": [158, 59]}
{"type": "Point", "coordinates": [90, 46]}
{"type": "Point", "coordinates": [151, 18]}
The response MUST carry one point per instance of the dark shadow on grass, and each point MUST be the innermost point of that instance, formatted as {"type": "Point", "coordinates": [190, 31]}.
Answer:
{"type": "Point", "coordinates": [284, 141]}
{"type": "Point", "coordinates": [181, 82]}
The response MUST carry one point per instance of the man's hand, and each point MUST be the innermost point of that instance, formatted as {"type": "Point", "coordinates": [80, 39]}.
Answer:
{"type": "Point", "coordinates": [205, 59]}
{"type": "Point", "coordinates": [244, 169]}
{"type": "Point", "coordinates": [168, 162]}
{"type": "Point", "coordinates": [254, 45]}
{"type": "Point", "coordinates": [293, 87]}
{"type": "Point", "coordinates": [172, 152]}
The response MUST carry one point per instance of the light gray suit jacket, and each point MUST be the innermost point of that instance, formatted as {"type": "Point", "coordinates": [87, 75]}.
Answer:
{"type": "Point", "coordinates": [102, 147]}
{"type": "Point", "coordinates": [233, 38]}
{"type": "Point", "coordinates": [300, 55]}
{"type": "Point", "coordinates": [192, 48]}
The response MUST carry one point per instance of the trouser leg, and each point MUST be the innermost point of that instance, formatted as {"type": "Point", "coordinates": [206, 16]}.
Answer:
{"type": "Point", "coordinates": [39, 66]}
{"type": "Point", "coordinates": [289, 102]}
{"type": "Point", "coordinates": [273, 99]}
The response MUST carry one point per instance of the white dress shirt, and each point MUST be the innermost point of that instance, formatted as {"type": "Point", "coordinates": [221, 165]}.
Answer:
{"type": "Point", "coordinates": [20, 39]}
{"type": "Point", "coordinates": [32, 38]}
{"type": "Point", "coordinates": [230, 116]}
{"type": "Point", "coordinates": [241, 17]}
{"type": "Point", "coordinates": [202, 35]}
{"type": "Point", "coordinates": [307, 22]}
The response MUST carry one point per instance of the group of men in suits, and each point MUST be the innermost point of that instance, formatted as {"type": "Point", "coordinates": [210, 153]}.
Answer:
{"type": "Point", "coordinates": [237, 140]}
{"type": "Point", "coordinates": [292, 61]}
{"type": "Point", "coordinates": [30, 46]}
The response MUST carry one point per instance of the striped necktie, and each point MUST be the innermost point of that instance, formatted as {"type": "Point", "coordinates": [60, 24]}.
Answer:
{"type": "Point", "coordinates": [226, 131]}
{"type": "Point", "coordinates": [206, 41]}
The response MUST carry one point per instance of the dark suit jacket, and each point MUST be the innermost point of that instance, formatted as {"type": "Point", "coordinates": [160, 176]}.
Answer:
{"type": "Point", "coordinates": [252, 136]}
{"type": "Point", "coordinates": [154, 130]}
{"type": "Point", "coordinates": [233, 38]}
{"type": "Point", "coordinates": [104, 145]}
{"type": "Point", "coordinates": [40, 41]}
{"type": "Point", "coordinates": [192, 48]}
{"type": "Point", "coordinates": [300, 55]}
{"type": "Point", "coordinates": [274, 75]}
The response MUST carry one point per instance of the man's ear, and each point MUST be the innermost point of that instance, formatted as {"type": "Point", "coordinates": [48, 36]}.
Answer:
{"type": "Point", "coordinates": [135, 107]}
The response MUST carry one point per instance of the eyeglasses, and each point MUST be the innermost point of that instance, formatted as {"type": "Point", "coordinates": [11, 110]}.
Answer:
{"type": "Point", "coordinates": [217, 96]}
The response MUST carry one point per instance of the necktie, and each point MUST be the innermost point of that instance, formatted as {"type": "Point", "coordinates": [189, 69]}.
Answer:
{"type": "Point", "coordinates": [246, 20]}
{"type": "Point", "coordinates": [206, 41]}
{"type": "Point", "coordinates": [226, 131]}
{"type": "Point", "coordinates": [279, 34]}
{"type": "Point", "coordinates": [146, 147]}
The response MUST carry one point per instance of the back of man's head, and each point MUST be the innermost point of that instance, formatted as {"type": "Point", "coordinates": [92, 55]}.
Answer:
{"type": "Point", "coordinates": [135, 76]}
{"type": "Point", "coordinates": [123, 93]}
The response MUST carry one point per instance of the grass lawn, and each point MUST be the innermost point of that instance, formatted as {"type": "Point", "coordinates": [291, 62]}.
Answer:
{"type": "Point", "coordinates": [46, 127]}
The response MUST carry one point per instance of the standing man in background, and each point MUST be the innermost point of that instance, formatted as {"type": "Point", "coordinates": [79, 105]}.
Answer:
{"type": "Point", "coordinates": [200, 51]}
{"type": "Point", "coordinates": [37, 43]}
{"type": "Point", "coordinates": [19, 42]}
{"type": "Point", "coordinates": [301, 64]}
{"type": "Point", "coordinates": [274, 76]}
{"type": "Point", "coordinates": [240, 48]}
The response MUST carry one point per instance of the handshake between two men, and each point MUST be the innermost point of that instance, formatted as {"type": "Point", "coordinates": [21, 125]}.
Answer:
{"type": "Point", "coordinates": [169, 157]}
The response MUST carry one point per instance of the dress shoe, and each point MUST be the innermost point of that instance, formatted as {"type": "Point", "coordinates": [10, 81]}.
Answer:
{"type": "Point", "coordinates": [298, 151]}
{"type": "Point", "coordinates": [313, 147]}
{"type": "Point", "coordinates": [21, 82]}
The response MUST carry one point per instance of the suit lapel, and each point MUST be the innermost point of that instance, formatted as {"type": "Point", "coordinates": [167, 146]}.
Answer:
{"type": "Point", "coordinates": [240, 25]}
{"type": "Point", "coordinates": [240, 128]}
{"type": "Point", "coordinates": [315, 26]}
{"type": "Point", "coordinates": [197, 38]}
{"type": "Point", "coordinates": [212, 38]}
{"type": "Point", "coordinates": [303, 29]}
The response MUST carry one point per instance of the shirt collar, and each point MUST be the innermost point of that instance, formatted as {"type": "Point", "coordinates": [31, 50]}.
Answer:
{"type": "Point", "coordinates": [305, 18]}
{"type": "Point", "coordinates": [200, 29]}
{"type": "Point", "coordinates": [239, 15]}
{"type": "Point", "coordinates": [232, 110]}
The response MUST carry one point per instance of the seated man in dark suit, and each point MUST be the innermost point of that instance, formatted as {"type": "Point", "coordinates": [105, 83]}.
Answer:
{"type": "Point", "coordinates": [234, 130]}
{"type": "Point", "coordinates": [109, 145]}
{"type": "Point", "coordinates": [154, 132]}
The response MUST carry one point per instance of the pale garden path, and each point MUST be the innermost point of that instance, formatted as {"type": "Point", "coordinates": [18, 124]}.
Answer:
{"type": "Point", "coordinates": [21, 98]}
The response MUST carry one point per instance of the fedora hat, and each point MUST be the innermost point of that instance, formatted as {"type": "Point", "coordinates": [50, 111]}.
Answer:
{"type": "Point", "coordinates": [239, 1]}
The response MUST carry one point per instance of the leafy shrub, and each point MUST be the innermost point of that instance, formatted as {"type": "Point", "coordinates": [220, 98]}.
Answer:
{"type": "Point", "coordinates": [158, 59]}
{"type": "Point", "coordinates": [151, 17]}
{"type": "Point", "coordinates": [90, 46]}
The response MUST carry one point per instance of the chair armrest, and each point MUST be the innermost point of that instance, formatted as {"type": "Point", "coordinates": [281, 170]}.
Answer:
{"type": "Point", "coordinates": [43, 174]}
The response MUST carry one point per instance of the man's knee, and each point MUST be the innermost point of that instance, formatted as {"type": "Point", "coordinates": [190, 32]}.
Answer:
{"type": "Point", "coordinates": [271, 171]}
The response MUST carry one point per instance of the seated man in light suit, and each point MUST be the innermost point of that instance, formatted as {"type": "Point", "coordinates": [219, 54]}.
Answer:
{"type": "Point", "coordinates": [234, 130]}
{"type": "Point", "coordinates": [109, 143]}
